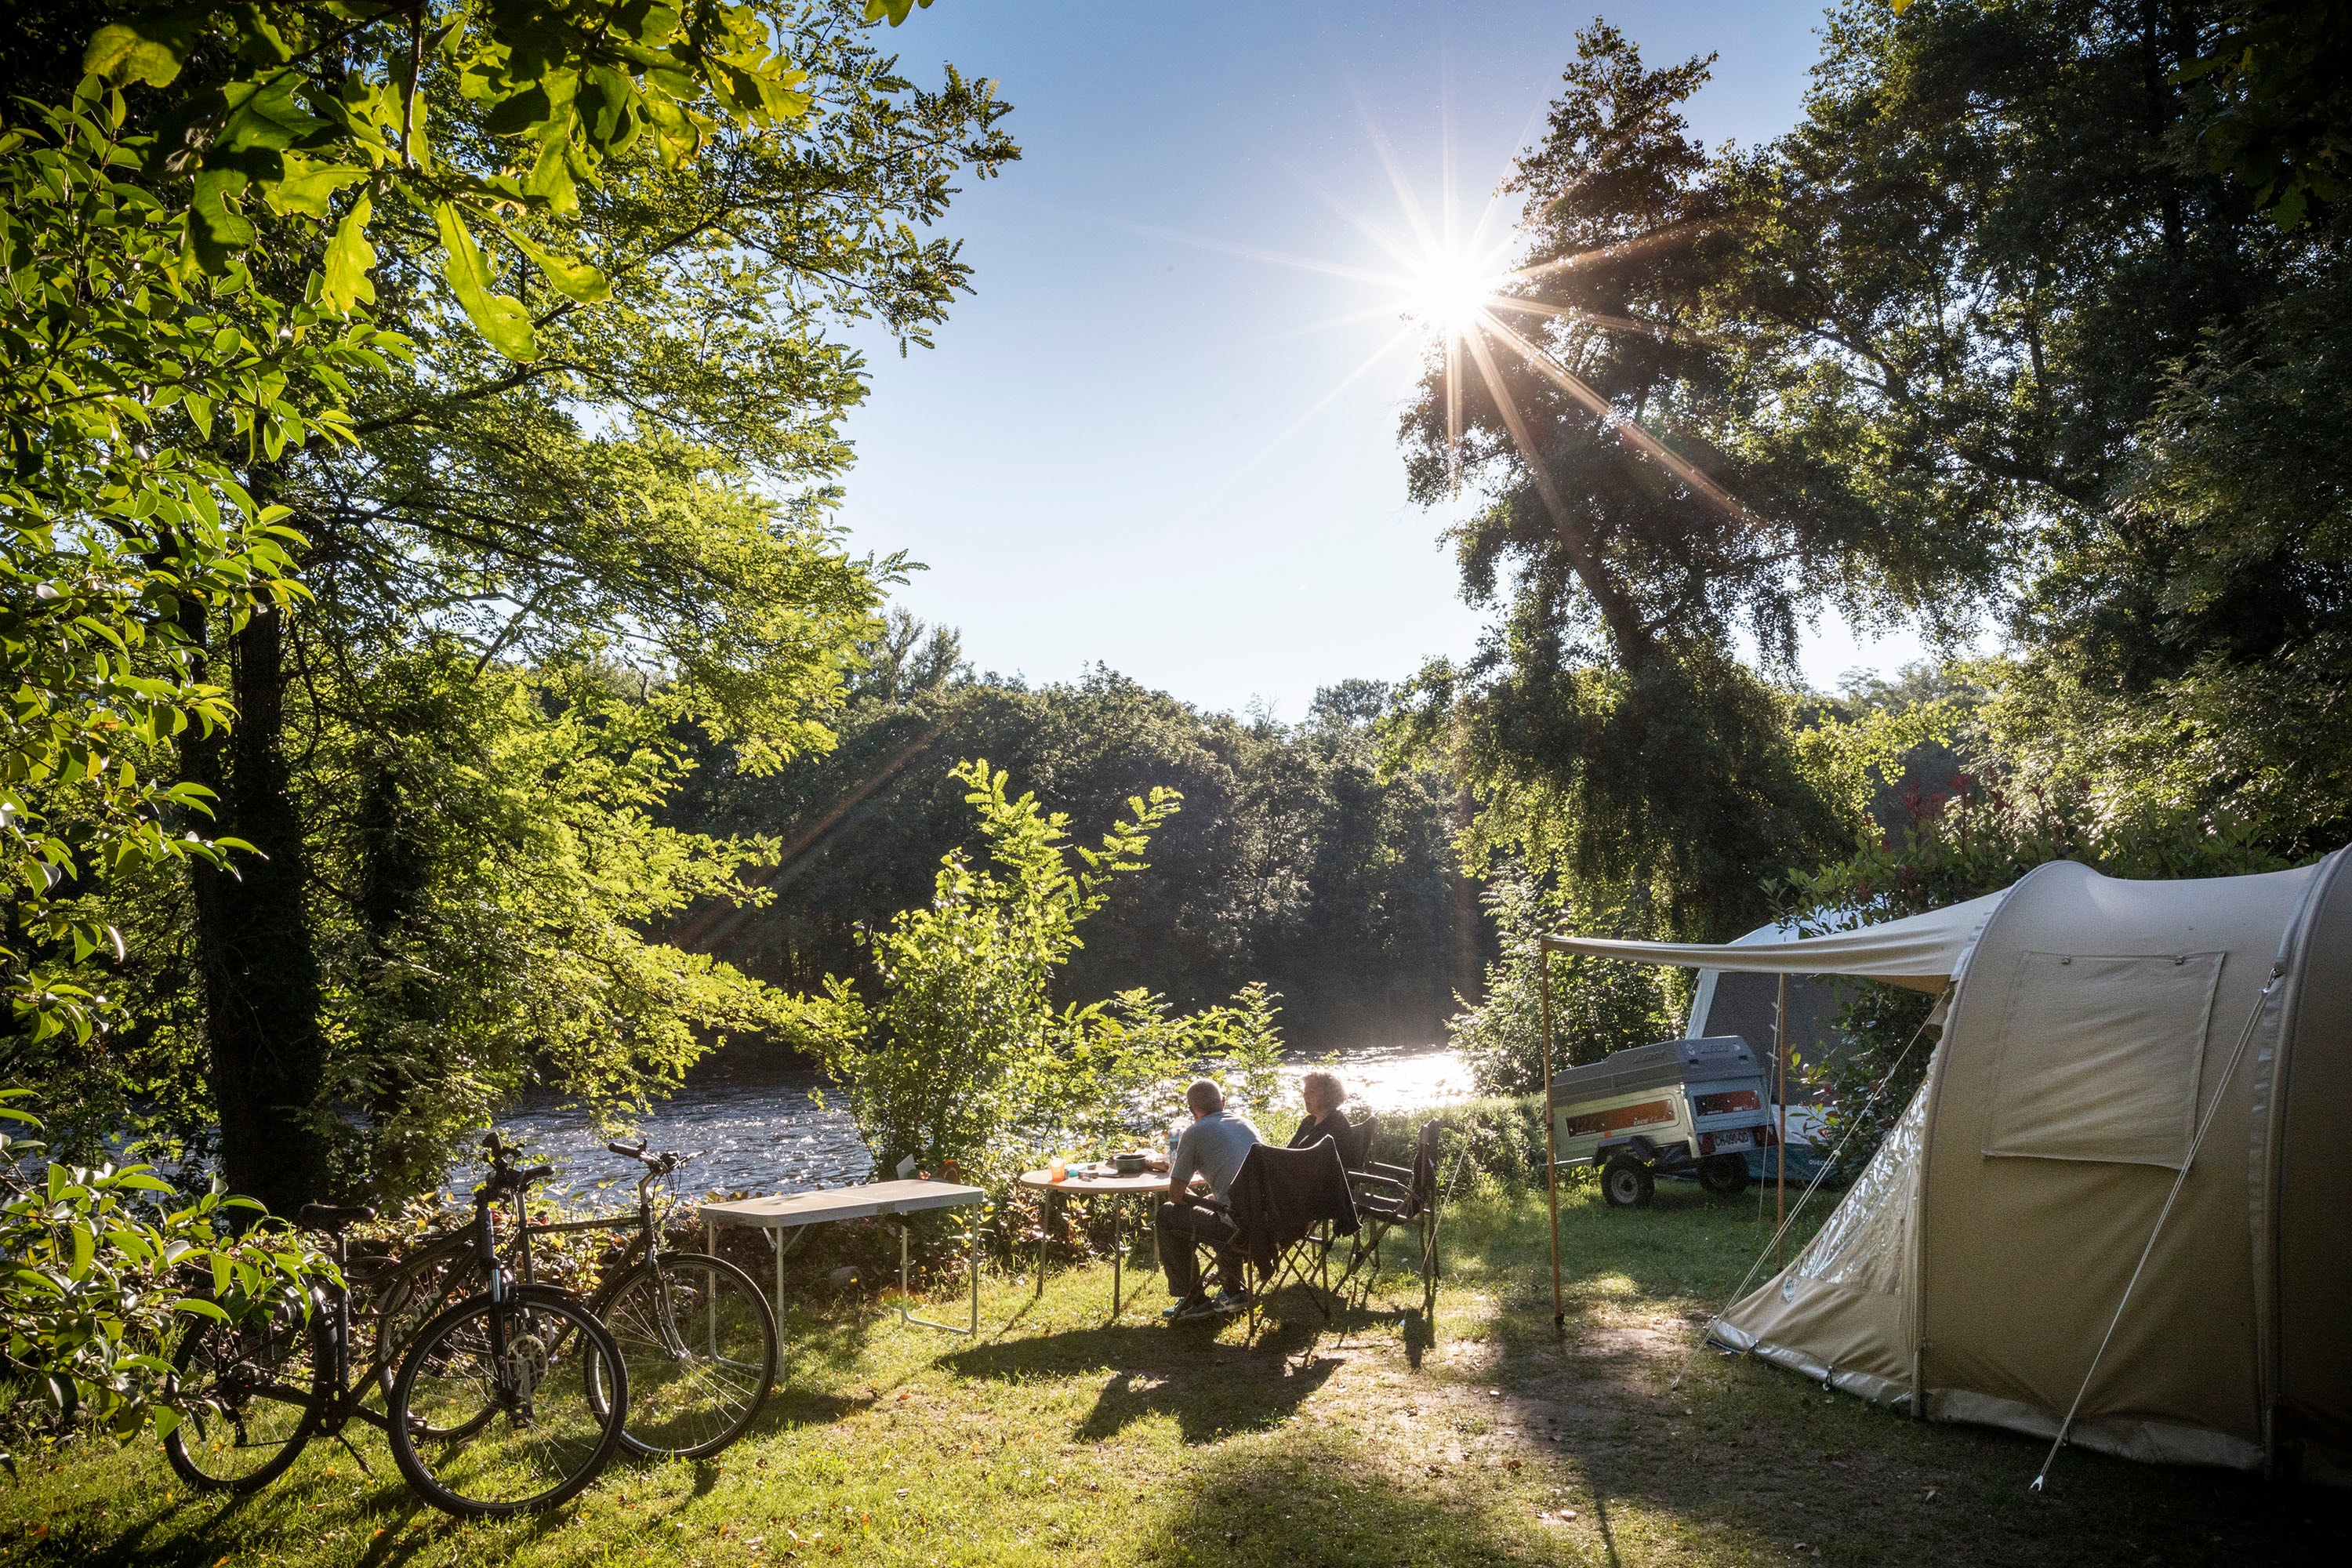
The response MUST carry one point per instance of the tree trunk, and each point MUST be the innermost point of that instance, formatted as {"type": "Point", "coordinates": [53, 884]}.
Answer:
{"type": "Point", "coordinates": [261, 975]}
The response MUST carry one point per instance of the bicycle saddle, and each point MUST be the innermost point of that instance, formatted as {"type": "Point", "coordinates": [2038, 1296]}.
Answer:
{"type": "Point", "coordinates": [331, 1218]}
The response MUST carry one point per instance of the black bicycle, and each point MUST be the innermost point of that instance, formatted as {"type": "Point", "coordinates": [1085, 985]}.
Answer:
{"type": "Point", "coordinates": [506, 1401]}
{"type": "Point", "coordinates": [694, 1332]}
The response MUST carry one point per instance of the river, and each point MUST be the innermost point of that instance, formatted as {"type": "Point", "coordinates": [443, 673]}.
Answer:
{"type": "Point", "coordinates": [761, 1128]}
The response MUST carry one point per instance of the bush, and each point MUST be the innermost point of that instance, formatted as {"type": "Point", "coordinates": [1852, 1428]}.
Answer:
{"type": "Point", "coordinates": [99, 1278]}
{"type": "Point", "coordinates": [963, 1062]}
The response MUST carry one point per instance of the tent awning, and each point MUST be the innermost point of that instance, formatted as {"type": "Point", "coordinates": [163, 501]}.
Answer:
{"type": "Point", "coordinates": [1921, 951]}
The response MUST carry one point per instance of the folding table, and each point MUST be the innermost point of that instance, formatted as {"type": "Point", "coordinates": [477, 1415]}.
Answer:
{"type": "Point", "coordinates": [792, 1210]}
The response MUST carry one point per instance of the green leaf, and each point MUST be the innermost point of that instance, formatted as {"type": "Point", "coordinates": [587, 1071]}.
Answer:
{"type": "Point", "coordinates": [149, 50]}
{"type": "Point", "coordinates": [265, 116]}
{"type": "Point", "coordinates": [308, 187]}
{"type": "Point", "coordinates": [350, 258]}
{"type": "Point", "coordinates": [215, 229]}
{"type": "Point", "coordinates": [576, 279]}
{"type": "Point", "coordinates": [497, 317]}
{"type": "Point", "coordinates": [899, 10]}
{"type": "Point", "coordinates": [551, 178]}
{"type": "Point", "coordinates": [199, 1306]}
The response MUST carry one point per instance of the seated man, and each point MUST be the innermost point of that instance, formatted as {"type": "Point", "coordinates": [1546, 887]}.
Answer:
{"type": "Point", "coordinates": [1212, 1147]}
{"type": "Point", "coordinates": [1324, 1095]}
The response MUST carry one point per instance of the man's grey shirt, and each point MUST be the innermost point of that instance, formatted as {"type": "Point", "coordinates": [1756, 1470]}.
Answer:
{"type": "Point", "coordinates": [1215, 1146]}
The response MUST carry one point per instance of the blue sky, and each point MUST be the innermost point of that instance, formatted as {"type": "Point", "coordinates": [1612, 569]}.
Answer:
{"type": "Point", "coordinates": [1139, 443]}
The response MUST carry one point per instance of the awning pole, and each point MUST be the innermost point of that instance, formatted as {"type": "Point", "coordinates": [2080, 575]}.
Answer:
{"type": "Point", "coordinates": [1551, 1131]}
{"type": "Point", "coordinates": [1780, 1197]}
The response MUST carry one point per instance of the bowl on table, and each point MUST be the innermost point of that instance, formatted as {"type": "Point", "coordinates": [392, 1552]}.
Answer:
{"type": "Point", "coordinates": [1133, 1162]}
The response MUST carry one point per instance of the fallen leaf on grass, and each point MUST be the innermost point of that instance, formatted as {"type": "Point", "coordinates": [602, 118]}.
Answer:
{"type": "Point", "coordinates": [1510, 1464]}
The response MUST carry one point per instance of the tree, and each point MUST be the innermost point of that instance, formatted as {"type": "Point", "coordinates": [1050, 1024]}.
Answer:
{"type": "Point", "coordinates": [1295, 862]}
{"type": "Point", "coordinates": [2067, 275]}
{"type": "Point", "coordinates": [614, 236]}
{"type": "Point", "coordinates": [124, 375]}
{"type": "Point", "coordinates": [1629, 535]}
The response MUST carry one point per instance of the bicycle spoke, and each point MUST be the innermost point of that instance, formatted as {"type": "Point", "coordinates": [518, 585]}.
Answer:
{"type": "Point", "coordinates": [492, 1434]}
{"type": "Point", "coordinates": [244, 1393]}
{"type": "Point", "coordinates": [697, 1344]}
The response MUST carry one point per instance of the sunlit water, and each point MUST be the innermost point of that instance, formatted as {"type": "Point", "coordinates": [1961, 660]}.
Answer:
{"type": "Point", "coordinates": [760, 1129]}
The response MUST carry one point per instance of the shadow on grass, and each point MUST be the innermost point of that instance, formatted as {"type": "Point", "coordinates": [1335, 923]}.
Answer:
{"type": "Point", "coordinates": [1320, 1499]}
{"type": "Point", "coordinates": [1210, 1390]}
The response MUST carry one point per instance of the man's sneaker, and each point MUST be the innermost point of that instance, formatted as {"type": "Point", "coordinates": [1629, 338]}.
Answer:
{"type": "Point", "coordinates": [1193, 1308]}
{"type": "Point", "coordinates": [1231, 1301]}
{"type": "Point", "coordinates": [1189, 1306]}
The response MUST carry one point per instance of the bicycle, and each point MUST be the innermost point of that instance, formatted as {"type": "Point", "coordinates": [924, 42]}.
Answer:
{"type": "Point", "coordinates": [490, 1410]}
{"type": "Point", "coordinates": [694, 1332]}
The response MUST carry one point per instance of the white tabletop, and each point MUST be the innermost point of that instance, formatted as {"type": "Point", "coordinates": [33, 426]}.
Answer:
{"type": "Point", "coordinates": [787, 1210]}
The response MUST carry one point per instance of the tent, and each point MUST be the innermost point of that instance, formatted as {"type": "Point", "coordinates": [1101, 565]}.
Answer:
{"type": "Point", "coordinates": [2119, 1195]}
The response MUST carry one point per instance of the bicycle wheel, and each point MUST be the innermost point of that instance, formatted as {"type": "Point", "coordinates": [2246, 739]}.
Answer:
{"type": "Point", "coordinates": [700, 1345]}
{"type": "Point", "coordinates": [248, 1394]}
{"type": "Point", "coordinates": [544, 1436]}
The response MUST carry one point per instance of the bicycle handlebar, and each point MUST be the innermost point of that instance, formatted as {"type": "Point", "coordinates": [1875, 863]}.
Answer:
{"type": "Point", "coordinates": [658, 1165]}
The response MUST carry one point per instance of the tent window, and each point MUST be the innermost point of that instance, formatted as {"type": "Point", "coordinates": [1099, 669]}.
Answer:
{"type": "Point", "coordinates": [2100, 1056]}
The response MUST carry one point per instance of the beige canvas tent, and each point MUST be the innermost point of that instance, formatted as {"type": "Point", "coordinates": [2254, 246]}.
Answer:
{"type": "Point", "coordinates": [2125, 1189]}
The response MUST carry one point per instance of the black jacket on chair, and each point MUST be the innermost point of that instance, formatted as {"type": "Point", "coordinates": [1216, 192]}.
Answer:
{"type": "Point", "coordinates": [1283, 1193]}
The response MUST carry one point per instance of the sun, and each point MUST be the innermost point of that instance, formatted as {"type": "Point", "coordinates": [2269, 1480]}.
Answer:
{"type": "Point", "coordinates": [1451, 291]}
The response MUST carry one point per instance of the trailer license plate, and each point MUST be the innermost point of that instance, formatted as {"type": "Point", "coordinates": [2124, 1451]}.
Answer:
{"type": "Point", "coordinates": [1739, 1139]}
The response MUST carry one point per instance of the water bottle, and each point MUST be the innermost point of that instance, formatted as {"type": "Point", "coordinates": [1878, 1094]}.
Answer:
{"type": "Point", "coordinates": [1174, 1137]}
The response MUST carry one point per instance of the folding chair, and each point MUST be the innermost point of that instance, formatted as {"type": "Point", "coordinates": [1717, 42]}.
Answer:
{"type": "Point", "coordinates": [1290, 1205]}
{"type": "Point", "coordinates": [1356, 1142]}
{"type": "Point", "coordinates": [1390, 1196]}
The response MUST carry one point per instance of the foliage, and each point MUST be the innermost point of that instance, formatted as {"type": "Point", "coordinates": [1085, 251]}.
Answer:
{"type": "Point", "coordinates": [1979, 839]}
{"type": "Point", "coordinates": [1598, 1005]}
{"type": "Point", "coordinates": [2128, 397]}
{"type": "Point", "coordinates": [616, 237]}
{"type": "Point", "coordinates": [325, 112]}
{"type": "Point", "coordinates": [1607, 725]}
{"type": "Point", "coordinates": [963, 1056]}
{"type": "Point", "coordinates": [1294, 862]}
{"type": "Point", "coordinates": [2281, 73]}
{"type": "Point", "coordinates": [99, 1277]}
{"type": "Point", "coordinates": [119, 367]}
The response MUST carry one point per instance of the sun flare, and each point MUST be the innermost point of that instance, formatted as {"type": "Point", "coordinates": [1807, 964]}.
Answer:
{"type": "Point", "coordinates": [1450, 291]}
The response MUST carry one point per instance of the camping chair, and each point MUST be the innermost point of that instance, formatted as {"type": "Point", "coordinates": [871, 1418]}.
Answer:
{"type": "Point", "coordinates": [1388, 1197]}
{"type": "Point", "coordinates": [1290, 1206]}
{"type": "Point", "coordinates": [1354, 1138]}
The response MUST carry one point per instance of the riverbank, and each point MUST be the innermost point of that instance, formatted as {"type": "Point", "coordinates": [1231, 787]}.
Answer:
{"type": "Point", "coordinates": [1482, 1437]}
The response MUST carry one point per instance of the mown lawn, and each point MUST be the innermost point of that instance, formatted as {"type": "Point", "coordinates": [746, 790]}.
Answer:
{"type": "Point", "coordinates": [1482, 1437]}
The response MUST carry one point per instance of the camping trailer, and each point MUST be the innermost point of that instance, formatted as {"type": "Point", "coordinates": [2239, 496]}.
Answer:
{"type": "Point", "coordinates": [2118, 1207]}
{"type": "Point", "coordinates": [1681, 1105]}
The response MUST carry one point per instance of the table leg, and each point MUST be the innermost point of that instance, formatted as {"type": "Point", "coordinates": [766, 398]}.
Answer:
{"type": "Point", "coordinates": [904, 1291]}
{"type": "Point", "coordinates": [776, 1240]}
{"type": "Point", "coordinates": [1045, 1230]}
{"type": "Point", "coordinates": [1118, 1249]}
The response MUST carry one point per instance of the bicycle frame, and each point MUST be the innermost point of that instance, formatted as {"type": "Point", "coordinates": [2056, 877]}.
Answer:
{"type": "Point", "coordinates": [646, 1245]}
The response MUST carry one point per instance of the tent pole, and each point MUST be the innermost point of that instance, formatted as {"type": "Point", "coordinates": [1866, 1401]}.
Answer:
{"type": "Point", "coordinates": [1551, 1131]}
{"type": "Point", "coordinates": [1780, 1077]}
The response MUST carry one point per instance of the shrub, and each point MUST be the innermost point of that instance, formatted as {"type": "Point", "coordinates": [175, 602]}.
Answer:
{"type": "Point", "coordinates": [98, 1278]}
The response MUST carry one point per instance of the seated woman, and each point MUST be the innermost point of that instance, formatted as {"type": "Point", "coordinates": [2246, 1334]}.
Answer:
{"type": "Point", "coordinates": [1324, 1095]}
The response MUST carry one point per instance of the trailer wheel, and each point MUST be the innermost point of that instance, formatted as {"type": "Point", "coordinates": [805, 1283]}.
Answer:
{"type": "Point", "coordinates": [1626, 1183]}
{"type": "Point", "coordinates": [1724, 1176]}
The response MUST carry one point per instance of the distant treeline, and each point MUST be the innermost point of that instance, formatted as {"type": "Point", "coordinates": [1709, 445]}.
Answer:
{"type": "Point", "coordinates": [1291, 862]}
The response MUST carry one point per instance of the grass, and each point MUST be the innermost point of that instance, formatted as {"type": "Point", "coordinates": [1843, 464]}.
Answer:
{"type": "Point", "coordinates": [1482, 1437]}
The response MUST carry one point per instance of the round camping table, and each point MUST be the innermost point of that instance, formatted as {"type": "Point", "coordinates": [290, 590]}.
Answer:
{"type": "Point", "coordinates": [1092, 1182]}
